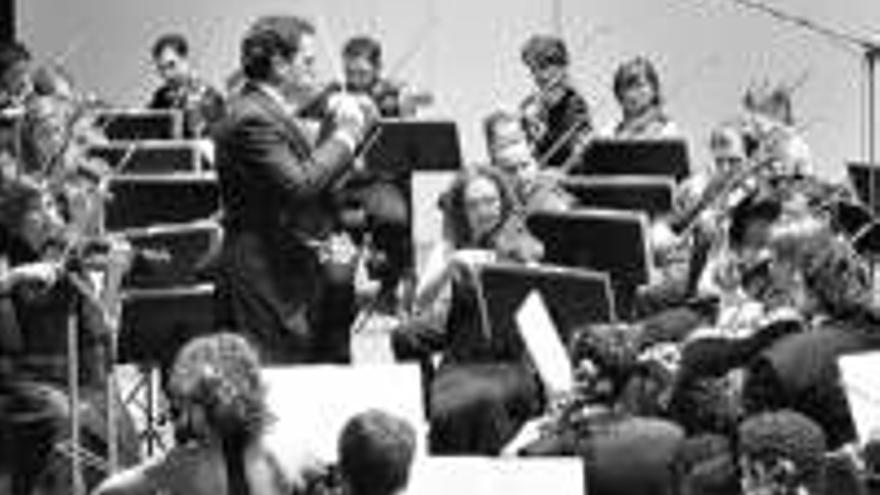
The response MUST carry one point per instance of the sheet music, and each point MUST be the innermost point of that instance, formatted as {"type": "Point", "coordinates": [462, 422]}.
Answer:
{"type": "Point", "coordinates": [311, 403]}
{"type": "Point", "coordinates": [860, 374]}
{"type": "Point", "coordinates": [542, 340]}
{"type": "Point", "coordinates": [490, 476]}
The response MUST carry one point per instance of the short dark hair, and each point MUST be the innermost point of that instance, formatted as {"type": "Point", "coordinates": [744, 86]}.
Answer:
{"type": "Point", "coordinates": [12, 53]}
{"type": "Point", "coordinates": [172, 41]}
{"type": "Point", "coordinates": [269, 37]}
{"type": "Point", "coordinates": [363, 46]}
{"type": "Point", "coordinates": [636, 69]}
{"type": "Point", "coordinates": [376, 450]}
{"type": "Point", "coordinates": [542, 51]}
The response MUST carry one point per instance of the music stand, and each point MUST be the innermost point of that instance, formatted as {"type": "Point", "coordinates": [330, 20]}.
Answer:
{"type": "Point", "coordinates": [148, 199]}
{"type": "Point", "coordinates": [574, 297]}
{"type": "Point", "coordinates": [138, 124]}
{"type": "Point", "coordinates": [609, 241]}
{"type": "Point", "coordinates": [865, 181]}
{"type": "Point", "coordinates": [664, 157]}
{"type": "Point", "coordinates": [404, 145]}
{"type": "Point", "coordinates": [650, 194]}
{"type": "Point", "coordinates": [152, 157]}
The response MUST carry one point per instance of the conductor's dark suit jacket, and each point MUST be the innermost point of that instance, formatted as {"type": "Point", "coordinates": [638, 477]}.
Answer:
{"type": "Point", "coordinates": [276, 193]}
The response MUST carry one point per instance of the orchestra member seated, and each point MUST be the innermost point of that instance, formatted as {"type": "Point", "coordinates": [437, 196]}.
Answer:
{"type": "Point", "coordinates": [771, 123]}
{"type": "Point", "coordinates": [483, 390]}
{"type": "Point", "coordinates": [16, 83]}
{"type": "Point", "coordinates": [832, 290]}
{"type": "Point", "coordinates": [219, 411]}
{"type": "Point", "coordinates": [363, 64]}
{"type": "Point", "coordinates": [376, 451]}
{"type": "Point", "coordinates": [511, 153]}
{"type": "Point", "coordinates": [380, 195]}
{"type": "Point", "coordinates": [182, 88]}
{"type": "Point", "coordinates": [38, 297]}
{"type": "Point", "coordinates": [556, 116]}
{"type": "Point", "coordinates": [638, 91]}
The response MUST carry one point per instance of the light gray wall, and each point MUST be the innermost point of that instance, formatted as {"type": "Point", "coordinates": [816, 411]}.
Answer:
{"type": "Point", "coordinates": [707, 50]}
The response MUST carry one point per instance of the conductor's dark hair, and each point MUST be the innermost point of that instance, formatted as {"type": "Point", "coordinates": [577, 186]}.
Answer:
{"type": "Point", "coordinates": [269, 37]}
{"type": "Point", "coordinates": [175, 42]}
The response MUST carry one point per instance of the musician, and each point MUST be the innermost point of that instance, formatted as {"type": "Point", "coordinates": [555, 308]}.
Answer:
{"type": "Point", "coordinates": [15, 89]}
{"type": "Point", "coordinates": [832, 288]}
{"type": "Point", "coordinates": [511, 153]}
{"type": "Point", "coordinates": [182, 88]}
{"type": "Point", "coordinates": [277, 193]}
{"type": "Point", "coordinates": [362, 63]}
{"type": "Point", "coordinates": [482, 391]}
{"type": "Point", "coordinates": [380, 196]}
{"type": "Point", "coordinates": [637, 89]}
{"type": "Point", "coordinates": [218, 407]}
{"type": "Point", "coordinates": [556, 115]}
{"type": "Point", "coordinates": [16, 84]}
{"type": "Point", "coordinates": [38, 298]}
{"type": "Point", "coordinates": [770, 120]}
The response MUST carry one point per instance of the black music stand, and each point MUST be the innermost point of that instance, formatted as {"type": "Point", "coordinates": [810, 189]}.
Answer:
{"type": "Point", "coordinates": [865, 180]}
{"type": "Point", "coordinates": [152, 157]}
{"type": "Point", "coordinates": [400, 146]}
{"type": "Point", "coordinates": [141, 124]}
{"type": "Point", "coordinates": [665, 157]}
{"type": "Point", "coordinates": [148, 199]}
{"type": "Point", "coordinates": [609, 241]}
{"type": "Point", "coordinates": [650, 194]}
{"type": "Point", "coordinates": [574, 297]}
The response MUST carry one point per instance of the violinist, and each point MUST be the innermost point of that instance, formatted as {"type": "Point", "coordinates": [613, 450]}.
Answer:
{"type": "Point", "coordinates": [362, 63]}
{"type": "Point", "coordinates": [182, 88]}
{"type": "Point", "coordinates": [380, 196]}
{"type": "Point", "coordinates": [555, 115]}
{"type": "Point", "coordinates": [637, 89]}
{"type": "Point", "coordinates": [39, 295]}
{"type": "Point", "coordinates": [771, 124]}
{"type": "Point", "coordinates": [511, 153]}
{"type": "Point", "coordinates": [16, 83]}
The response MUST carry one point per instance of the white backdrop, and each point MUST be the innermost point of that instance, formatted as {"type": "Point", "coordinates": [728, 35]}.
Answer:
{"type": "Point", "coordinates": [707, 50]}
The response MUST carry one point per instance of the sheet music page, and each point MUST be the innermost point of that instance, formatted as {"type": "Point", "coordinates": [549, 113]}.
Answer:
{"type": "Point", "coordinates": [860, 374]}
{"type": "Point", "coordinates": [542, 340]}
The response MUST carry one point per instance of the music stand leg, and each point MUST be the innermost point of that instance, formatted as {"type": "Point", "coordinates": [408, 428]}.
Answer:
{"type": "Point", "coordinates": [77, 487]}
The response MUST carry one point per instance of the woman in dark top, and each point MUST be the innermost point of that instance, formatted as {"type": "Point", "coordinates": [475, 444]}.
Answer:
{"type": "Point", "coordinates": [482, 391]}
{"type": "Point", "coordinates": [800, 371]}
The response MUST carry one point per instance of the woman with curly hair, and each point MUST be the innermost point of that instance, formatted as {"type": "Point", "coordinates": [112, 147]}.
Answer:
{"type": "Point", "coordinates": [482, 391]}
{"type": "Point", "coordinates": [219, 412]}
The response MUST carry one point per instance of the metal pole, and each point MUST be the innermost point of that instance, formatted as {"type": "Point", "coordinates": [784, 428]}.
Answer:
{"type": "Point", "coordinates": [76, 480]}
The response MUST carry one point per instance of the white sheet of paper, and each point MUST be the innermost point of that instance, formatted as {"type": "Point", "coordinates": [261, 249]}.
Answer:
{"type": "Point", "coordinates": [860, 374]}
{"type": "Point", "coordinates": [491, 476]}
{"type": "Point", "coordinates": [311, 404]}
{"type": "Point", "coordinates": [542, 340]}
